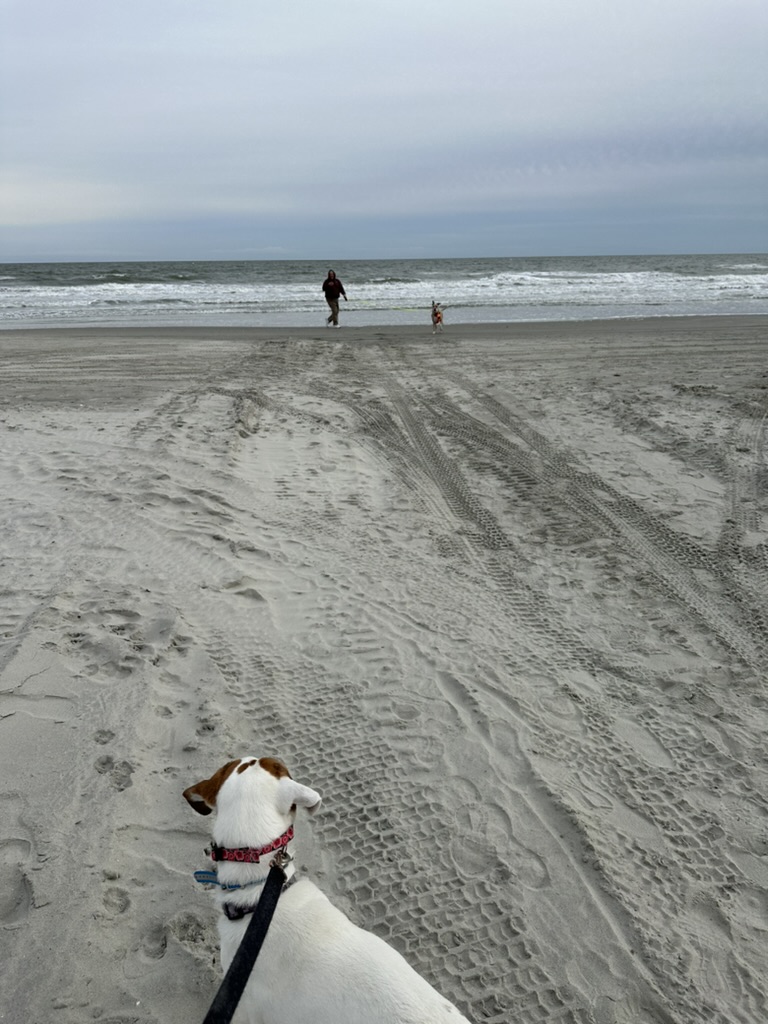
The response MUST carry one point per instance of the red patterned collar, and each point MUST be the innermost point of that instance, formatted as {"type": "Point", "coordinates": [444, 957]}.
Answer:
{"type": "Point", "coordinates": [251, 854]}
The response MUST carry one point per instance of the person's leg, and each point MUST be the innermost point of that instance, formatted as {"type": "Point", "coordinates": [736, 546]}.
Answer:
{"type": "Point", "coordinates": [334, 304]}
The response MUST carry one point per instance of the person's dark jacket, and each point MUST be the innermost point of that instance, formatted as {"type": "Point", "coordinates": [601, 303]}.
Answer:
{"type": "Point", "coordinates": [333, 288]}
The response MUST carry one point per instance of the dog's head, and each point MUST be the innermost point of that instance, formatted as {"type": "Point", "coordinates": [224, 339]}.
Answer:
{"type": "Point", "coordinates": [251, 795]}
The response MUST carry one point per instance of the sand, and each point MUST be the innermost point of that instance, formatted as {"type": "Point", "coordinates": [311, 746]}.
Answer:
{"type": "Point", "coordinates": [499, 595]}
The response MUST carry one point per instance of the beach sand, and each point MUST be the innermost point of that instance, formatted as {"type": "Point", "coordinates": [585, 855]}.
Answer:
{"type": "Point", "coordinates": [500, 595]}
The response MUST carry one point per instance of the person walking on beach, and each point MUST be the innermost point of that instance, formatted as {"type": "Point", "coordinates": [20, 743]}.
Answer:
{"type": "Point", "coordinates": [333, 288]}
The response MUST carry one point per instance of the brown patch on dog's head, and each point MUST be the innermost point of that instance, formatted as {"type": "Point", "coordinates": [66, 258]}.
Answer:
{"type": "Point", "coordinates": [274, 767]}
{"type": "Point", "coordinates": [202, 796]}
{"type": "Point", "coordinates": [287, 794]}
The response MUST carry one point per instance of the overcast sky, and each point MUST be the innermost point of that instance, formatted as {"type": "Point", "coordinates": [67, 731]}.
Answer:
{"type": "Point", "coordinates": [238, 129]}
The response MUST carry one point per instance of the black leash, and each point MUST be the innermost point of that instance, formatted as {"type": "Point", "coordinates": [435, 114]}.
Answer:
{"type": "Point", "coordinates": [231, 989]}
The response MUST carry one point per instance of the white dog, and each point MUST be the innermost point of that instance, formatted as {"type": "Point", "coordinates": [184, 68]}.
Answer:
{"type": "Point", "coordinates": [315, 966]}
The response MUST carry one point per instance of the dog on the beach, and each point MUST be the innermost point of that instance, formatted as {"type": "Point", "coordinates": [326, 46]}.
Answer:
{"type": "Point", "coordinates": [315, 966]}
{"type": "Point", "coordinates": [437, 317]}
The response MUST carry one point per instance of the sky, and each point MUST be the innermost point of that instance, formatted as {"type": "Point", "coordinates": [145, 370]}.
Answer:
{"type": "Point", "coordinates": [226, 129]}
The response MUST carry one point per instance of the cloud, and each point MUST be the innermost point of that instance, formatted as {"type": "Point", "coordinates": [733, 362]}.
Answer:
{"type": "Point", "coordinates": [180, 111]}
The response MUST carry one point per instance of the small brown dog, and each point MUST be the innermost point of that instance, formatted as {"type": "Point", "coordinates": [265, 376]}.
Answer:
{"type": "Point", "coordinates": [437, 317]}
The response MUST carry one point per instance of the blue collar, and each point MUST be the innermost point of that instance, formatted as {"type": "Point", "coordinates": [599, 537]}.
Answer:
{"type": "Point", "coordinates": [210, 879]}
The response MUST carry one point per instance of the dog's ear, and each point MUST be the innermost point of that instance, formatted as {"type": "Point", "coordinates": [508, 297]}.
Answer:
{"type": "Point", "coordinates": [292, 794]}
{"type": "Point", "coordinates": [202, 796]}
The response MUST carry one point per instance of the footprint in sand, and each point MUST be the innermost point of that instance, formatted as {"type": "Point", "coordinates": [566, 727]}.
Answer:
{"type": "Point", "coordinates": [115, 901]}
{"type": "Point", "coordinates": [16, 895]}
{"type": "Point", "coordinates": [16, 898]}
{"type": "Point", "coordinates": [192, 934]}
{"type": "Point", "coordinates": [119, 771]}
{"type": "Point", "coordinates": [246, 587]}
{"type": "Point", "coordinates": [485, 845]}
{"type": "Point", "coordinates": [154, 942]}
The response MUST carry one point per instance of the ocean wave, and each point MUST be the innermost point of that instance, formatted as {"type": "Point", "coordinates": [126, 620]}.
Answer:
{"type": "Point", "coordinates": [384, 291]}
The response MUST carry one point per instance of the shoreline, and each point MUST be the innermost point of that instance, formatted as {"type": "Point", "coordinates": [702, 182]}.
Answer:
{"type": "Point", "coordinates": [604, 324]}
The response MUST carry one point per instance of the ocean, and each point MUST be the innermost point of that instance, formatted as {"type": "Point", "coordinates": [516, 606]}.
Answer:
{"type": "Point", "coordinates": [287, 293]}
